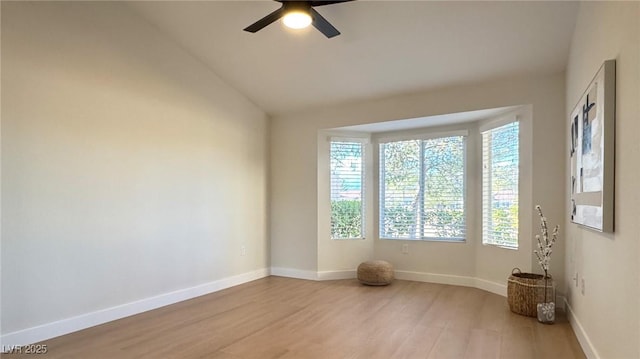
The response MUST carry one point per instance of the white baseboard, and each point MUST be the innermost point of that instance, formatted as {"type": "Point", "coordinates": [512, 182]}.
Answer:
{"type": "Point", "coordinates": [435, 278]}
{"type": "Point", "coordinates": [588, 348]}
{"type": "Point", "coordinates": [337, 274]}
{"type": "Point", "coordinates": [311, 275]}
{"type": "Point", "coordinates": [489, 286]}
{"type": "Point", "coordinates": [294, 273]}
{"type": "Point", "coordinates": [83, 321]}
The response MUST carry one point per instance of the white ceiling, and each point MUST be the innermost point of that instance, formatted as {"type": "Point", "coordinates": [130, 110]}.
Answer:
{"type": "Point", "coordinates": [386, 47]}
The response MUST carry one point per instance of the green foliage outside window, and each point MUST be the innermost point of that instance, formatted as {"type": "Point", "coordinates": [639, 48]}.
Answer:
{"type": "Point", "coordinates": [346, 219]}
{"type": "Point", "coordinates": [422, 189]}
{"type": "Point", "coordinates": [347, 190]}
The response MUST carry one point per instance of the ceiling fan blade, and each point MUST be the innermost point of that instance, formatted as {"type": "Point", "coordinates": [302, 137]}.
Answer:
{"type": "Point", "coordinates": [328, 2]}
{"type": "Point", "coordinates": [323, 25]}
{"type": "Point", "coordinates": [267, 20]}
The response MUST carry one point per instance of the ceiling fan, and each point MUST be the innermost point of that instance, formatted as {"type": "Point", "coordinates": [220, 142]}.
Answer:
{"type": "Point", "coordinates": [297, 15]}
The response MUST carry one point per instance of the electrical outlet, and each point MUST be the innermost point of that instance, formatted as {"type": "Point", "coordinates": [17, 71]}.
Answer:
{"type": "Point", "coordinates": [243, 250]}
{"type": "Point", "coordinates": [582, 286]}
{"type": "Point", "coordinates": [405, 249]}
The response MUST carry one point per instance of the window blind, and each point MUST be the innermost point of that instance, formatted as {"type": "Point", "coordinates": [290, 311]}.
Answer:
{"type": "Point", "coordinates": [500, 162]}
{"type": "Point", "coordinates": [422, 186]}
{"type": "Point", "coordinates": [347, 190]}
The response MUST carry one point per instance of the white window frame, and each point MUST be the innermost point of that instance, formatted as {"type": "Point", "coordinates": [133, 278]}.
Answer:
{"type": "Point", "coordinates": [363, 189]}
{"type": "Point", "coordinates": [489, 126]}
{"type": "Point", "coordinates": [380, 183]}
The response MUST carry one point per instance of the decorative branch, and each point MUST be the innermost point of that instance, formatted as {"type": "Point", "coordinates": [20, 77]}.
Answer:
{"type": "Point", "coordinates": [543, 253]}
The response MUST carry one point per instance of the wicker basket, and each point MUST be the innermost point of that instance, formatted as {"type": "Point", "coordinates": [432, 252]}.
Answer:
{"type": "Point", "coordinates": [526, 290]}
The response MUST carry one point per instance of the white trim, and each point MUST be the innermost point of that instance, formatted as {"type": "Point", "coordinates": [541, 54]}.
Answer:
{"type": "Point", "coordinates": [483, 284]}
{"type": "Point", "coordinates": [489, 286]}
{"type": "Point", "coordinates": [311, 275]}
{"type": "Point", "coordinates": [87, 320]}
{"type": "Point", "coordinates": [465, 281]}
{"type": "Point", "coordinates": [419, 136]}
{"type": "Point", "coordinates": [436, 278]}
{"type": "Point", "coordinates": [294, 273]}
{"type": "Point", "coordinates": [588, 348]}
{"type": "Point", "coordinates": [498, 122]}
{"type": "Point", "coordinates": [336, 274]}
{"type": "Point", "coordinates": [337, 136]}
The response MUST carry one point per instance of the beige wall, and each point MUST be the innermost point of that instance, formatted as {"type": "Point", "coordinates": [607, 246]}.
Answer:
{"type": "Point", "coordinates": [129, 169]}
{"type": "Point", "coordinates": [294, 159]}
{"type": "Point", "coordinates": [608, 312]}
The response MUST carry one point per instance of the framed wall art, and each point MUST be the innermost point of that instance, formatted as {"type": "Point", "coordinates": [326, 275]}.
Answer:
{"type": "Point", "coordinates": [592, 152]}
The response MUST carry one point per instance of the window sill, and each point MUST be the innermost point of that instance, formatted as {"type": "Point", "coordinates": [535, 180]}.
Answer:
{"type": "Point", "coordinates": [445, 240]}
{"type": "Point", "coordinates": [499, 246]}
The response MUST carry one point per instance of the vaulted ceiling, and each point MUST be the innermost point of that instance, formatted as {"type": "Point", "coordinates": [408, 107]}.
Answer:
{"type": "Point", "coordinates": [386, 47]}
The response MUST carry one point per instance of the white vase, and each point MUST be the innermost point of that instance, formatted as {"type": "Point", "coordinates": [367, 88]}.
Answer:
{"type": "Point", "coordinates": [547, 312]}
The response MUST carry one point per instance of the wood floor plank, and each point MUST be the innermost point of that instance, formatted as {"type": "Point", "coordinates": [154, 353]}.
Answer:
{"type": "Point", "coordinates": [277, 317]}
{"type": "Point", "coordinates": [483, 344]}
{"type": "Point", "coordinates": [419, 343]}
{"type": "Point", "coordinates": [518, 342]}
{"type": "Point", "coordinates": [451, 344]}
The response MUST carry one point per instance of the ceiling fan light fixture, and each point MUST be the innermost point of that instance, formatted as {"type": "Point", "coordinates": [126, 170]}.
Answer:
{"type": "Point", "coordinates": [296, 19]}
{"type": "Point", "coordinates": [298, 14]}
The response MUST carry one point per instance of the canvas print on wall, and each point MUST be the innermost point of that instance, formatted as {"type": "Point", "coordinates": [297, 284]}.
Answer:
{"type": "Point", "coordinates": [592, 152]}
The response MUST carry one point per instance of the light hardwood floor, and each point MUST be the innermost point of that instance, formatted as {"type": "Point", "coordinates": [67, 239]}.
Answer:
{"type": "Point", "coordinates": [279, 317]}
